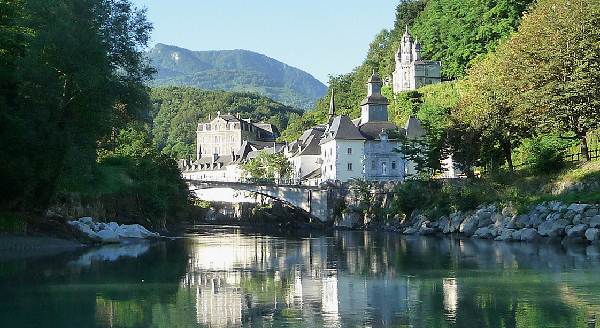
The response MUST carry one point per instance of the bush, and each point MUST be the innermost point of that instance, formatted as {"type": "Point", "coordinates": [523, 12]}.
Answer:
{"type": "Point", "coordinates": [544, 154]}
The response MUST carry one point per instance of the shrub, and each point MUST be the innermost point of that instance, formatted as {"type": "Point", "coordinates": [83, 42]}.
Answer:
{"type": "Point", "coordinates": [544, 154]}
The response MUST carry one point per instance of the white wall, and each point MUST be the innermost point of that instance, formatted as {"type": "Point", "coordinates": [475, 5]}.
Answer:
{"type": "Point", "coordinates": [335, 157]}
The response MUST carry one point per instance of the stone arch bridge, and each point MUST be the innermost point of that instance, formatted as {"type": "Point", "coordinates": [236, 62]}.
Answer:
{"type": "Point", "coordinates": [313, 200]}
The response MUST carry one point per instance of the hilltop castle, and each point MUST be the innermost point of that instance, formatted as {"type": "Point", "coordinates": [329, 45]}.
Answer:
{"type": "Point", "coordinates": [412, 71]}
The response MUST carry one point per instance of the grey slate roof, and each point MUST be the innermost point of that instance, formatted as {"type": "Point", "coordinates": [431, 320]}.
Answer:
{"type": "Point", "coordinates": [413, 127]}
{"type": "Point", "coordinates": [375, 99]}
{"type": "Point", "coordinates": [372, 130]}
{"type": "Point", "coordinates": [312, 175]}
{"type": "Point", "coordinates": [342, 128]}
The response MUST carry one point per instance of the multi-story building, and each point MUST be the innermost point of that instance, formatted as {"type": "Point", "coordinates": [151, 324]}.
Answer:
{"type": "Point", "coordinates": [226, 141]}
{"type": "Point", "coordinates": [362, 149]}
{"type": "Point", "coordinates": [412, 71]}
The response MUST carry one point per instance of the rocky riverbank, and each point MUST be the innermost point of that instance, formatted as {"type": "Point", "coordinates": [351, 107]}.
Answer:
{"type": "Point", "coordinates": [551, 221]}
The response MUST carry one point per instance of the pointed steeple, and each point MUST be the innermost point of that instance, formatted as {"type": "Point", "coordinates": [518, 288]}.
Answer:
{"type": "Point", "coordinates": [332, 106]}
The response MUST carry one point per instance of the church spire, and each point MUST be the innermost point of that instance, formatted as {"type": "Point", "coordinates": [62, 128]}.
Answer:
{"type": "Point", "coordinates": [331, 106]}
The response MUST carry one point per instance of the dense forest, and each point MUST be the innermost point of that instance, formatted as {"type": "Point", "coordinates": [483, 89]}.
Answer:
{"type": "Point", "coordinates": [237, 71]}
{"type": "Point", "coordinates": [176, 112]}
{"type": "Point", "coordinates": [74, 111]}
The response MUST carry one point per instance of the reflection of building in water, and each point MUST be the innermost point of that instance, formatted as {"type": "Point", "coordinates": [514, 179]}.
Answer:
{"type": "Point", "coordinates": [450, 287]}
{"type": "Point", "coordinates": [218, 297]}
{"type": "Point", "coordinates": [241, 279]}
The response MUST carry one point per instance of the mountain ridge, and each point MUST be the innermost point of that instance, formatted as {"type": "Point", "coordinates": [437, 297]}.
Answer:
{"type": "Point", "coordinates": [237, 70]}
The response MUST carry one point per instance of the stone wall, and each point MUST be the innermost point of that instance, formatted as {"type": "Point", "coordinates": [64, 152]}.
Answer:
{"type": "Point", "coordinates": [551, 221]}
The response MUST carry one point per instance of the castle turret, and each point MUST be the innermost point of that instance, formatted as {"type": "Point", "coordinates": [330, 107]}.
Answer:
{"type": "Point", "coordinates": [416, 51]}
{"type": "Point", "coordinates": [406, 47]}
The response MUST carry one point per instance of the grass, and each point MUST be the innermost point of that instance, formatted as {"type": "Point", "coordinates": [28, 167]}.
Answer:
{"type": "Point", "coordinates": [521, 189]}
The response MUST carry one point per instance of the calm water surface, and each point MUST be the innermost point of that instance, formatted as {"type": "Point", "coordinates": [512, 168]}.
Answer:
{"type": "Point", "coordinates": [227, 278]}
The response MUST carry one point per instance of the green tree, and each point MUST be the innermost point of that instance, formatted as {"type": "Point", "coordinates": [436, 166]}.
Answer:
{"type": "Point", "coordinates": [555, 63]}
{"type": "Point", "coordinates": [76, 70]}
{"type": "Point", "coordinates": [267, 165]}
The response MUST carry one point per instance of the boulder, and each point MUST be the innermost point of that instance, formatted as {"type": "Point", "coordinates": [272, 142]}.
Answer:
{"type": "Point", "coordinates": [410, 231]}
{"type": "Point", "coordinates": [499, 220]}
{"type": "Point", "coordinates": [516, 235]}
{"type": "Point", "coordinates": [521, 221]}
{"type": "Point", "coordinates": [592, 234]}
{"type": "Point", "coordinates": [535, 221]}
{"type": "Point", "coordinates": [553, 228]}
{"type": "Point", "coordinates": [456, 220]}
{"type": "Point", "coordinates": [506, 235]}
{"type": "Point", "coordinates": [483, 233]}
{"type": "Point", "coordinates": [444, 224]}
{"type": "Point", "coordinates": [108, 236]}
{"type": "Point", "coordinates": [469, 225]}
{"type": "Point", "coordinates": [578, 208]}
{"type": "Point", "coordinates": [484, 218]}
{"type": "Point", "coordinates": [591, 212]}
{"type": "Point", "coordinates": [577, 232]}
{"type": "Point", "coordinates": [569, 215]}
{"type": "Point", "coordinates": [595, 221]}
{"type": "Point", "coordinates": [577, 219]}
{"type": "Point", "coordinates": [529, 235]}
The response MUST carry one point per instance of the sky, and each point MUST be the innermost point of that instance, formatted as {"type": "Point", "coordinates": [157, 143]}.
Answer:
{"type": "Point", "coordinates": [322, 37]}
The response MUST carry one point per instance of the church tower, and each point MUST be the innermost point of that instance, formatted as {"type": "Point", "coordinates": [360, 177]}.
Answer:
{"type": "Point", "coordinates": [374, 106]}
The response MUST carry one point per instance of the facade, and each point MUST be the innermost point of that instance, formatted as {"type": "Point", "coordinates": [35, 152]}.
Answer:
{"type": "Point", "coordinates": [304, 154]}
{"type": "Point", "coordinates": [223, 143]}
{"type": "Point", "coordinates": [361, 148]}
{"type": "Point", "coordinates": [225, 134]}
{"type": "Point", "coordinates": [412, 71]}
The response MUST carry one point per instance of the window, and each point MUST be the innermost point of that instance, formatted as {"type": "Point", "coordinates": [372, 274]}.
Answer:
{"type": "Point", "coordinates": [349, 166]}
{"type": "Point", "coordinates": [330, 151]}
{"type": "Point", "coordinates": [330, 167]}
{"type": "Point", "coordinates": [349, 151]}
{"type": "Point", "coordinates": [393, 165]}
{"type": "Point", "coordinates": [373, 167]}
{"type": "Point", "coordinates": [384, 168]}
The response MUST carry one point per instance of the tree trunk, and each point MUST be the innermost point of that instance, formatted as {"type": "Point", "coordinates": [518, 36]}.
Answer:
{"type": "Point", "coordinates": [584, 148]}
{"type": "Point", "coordinates": [507, 150]}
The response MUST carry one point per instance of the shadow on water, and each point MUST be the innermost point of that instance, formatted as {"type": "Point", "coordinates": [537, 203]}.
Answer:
{"type": "Point", "coordinates": [222, 277]}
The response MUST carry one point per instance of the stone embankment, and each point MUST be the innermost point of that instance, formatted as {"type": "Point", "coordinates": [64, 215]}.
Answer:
{"type": "Point", "coordinates": [552, 221]}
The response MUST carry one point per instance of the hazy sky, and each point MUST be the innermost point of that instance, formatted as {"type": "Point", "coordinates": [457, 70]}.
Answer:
{"type": "Point", "coordinates": [321, 37]}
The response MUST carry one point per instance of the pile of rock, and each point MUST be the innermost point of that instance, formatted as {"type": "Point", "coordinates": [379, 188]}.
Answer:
{"type": "Point", "coordinates": [111, 232]}
{"type": "Point", "coordinates": [575, 223]}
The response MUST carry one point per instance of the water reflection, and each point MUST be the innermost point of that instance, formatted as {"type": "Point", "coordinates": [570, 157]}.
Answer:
{"type": "Point", "coordinates": [111, 253]}
{"type": "Point", "coordinates": [227, 279]}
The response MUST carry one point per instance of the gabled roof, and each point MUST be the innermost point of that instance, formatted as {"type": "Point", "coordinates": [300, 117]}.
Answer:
{"type": "Point", "coordinates": [413, 127]}
{"type": "Point", "coordinates": [342, 128]}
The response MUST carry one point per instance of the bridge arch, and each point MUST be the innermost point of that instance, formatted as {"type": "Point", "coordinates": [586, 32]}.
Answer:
{"type": "Point", "coordinates": [312, 200]}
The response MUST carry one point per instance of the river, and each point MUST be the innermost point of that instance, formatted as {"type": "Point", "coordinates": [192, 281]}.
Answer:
{"type": "Point", "coordinates": [225, 277]}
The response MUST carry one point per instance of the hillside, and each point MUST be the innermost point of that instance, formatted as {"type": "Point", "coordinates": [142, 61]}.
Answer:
{"type": "Point", "coordinates": [235, 70]}
{"type": "Point", "coordinates": [177, 110]}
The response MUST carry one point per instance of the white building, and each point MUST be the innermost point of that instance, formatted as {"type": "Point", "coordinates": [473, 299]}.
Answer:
{"type": "Point", "coordinates": [304, 155]}
{"type": "Point", "coordinates": [362, 148]}
{"type": "Point", "coordinates": [412, 71]}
